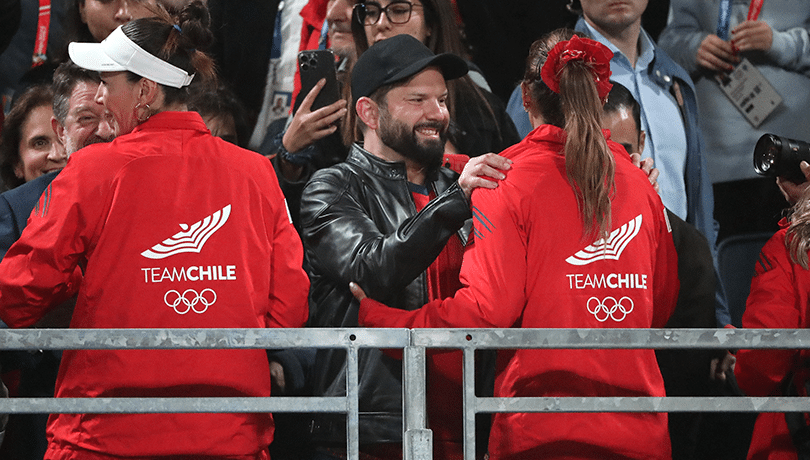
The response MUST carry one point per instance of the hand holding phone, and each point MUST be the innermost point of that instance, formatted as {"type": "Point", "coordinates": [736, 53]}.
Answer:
{"type": "Point", "coordinates": [311, 120]}
{"type": "Point", "coordinates": [313, 66]}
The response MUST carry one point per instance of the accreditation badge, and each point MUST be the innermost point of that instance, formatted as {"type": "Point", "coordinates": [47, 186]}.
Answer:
{"type": "Point", "coordinates": [750, 92]}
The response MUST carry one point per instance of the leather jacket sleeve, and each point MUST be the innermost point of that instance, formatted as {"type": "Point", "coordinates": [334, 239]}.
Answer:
{"type": "Point", "coordinates": [360, 229]}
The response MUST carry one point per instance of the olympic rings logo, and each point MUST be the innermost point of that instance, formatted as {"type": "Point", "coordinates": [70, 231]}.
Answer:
{"type": "Point", "coordinates": [610, 308]}
{"type": "Point", "coordinates": [190, 298]}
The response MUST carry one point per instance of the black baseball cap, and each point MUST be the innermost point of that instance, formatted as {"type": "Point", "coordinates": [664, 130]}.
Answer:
{"type": "Point", "coordinates": [397, 58]}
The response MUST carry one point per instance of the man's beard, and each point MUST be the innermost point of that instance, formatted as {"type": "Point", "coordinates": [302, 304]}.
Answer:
{"type": "Point", "coordinates": [403, 140]}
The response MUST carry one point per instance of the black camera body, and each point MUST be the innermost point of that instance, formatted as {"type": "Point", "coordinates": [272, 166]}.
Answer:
{"type": "Point", "coordinates": [779, 156]}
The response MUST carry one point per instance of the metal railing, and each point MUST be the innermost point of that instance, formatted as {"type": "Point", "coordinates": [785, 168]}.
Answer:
{"type": "Point", "coordinates": [417, 440]}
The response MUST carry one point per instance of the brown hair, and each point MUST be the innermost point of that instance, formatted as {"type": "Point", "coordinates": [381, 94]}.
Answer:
{"type": "Point", "coordinates": [77, 30]}
{"type": "Point", "coordinates": [65, 79]}
{"type": "Point", "coordinates": [33, 97]}
{"type": "Point", "coordinates": [797, 238]}
{"type": "Point", "coordinates": [182, 48]}
{"type": "Point", "coordinates": [577, 109]}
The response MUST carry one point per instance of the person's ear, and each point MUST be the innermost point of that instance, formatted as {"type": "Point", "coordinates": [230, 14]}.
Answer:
{"type": "Point", "coordinates": [642, 136]}
{"type": "Point", "coordinates": [368, 112]}
{"type": "Point", "coordinates": [148, 91]}
{"type": "Point", "coordinates": [82, 13]}
{"type": "Point", "coordinates": [526, 95]}
{"type": "Point", "coordinates": [19, 170]}
{"type": "Point", "coordinates": [59, 130]}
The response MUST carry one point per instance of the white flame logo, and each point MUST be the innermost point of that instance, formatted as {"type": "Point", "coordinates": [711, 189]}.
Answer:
{"type": "Point", "coordinates": [610, 249]}
{"type": "Point", "coordinates": [192, 238]}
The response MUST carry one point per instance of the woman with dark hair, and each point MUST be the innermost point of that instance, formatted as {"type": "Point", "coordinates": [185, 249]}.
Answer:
{"type": "Point", "coordinates": [29, 146]}
{"type": "Point", "coordinates": [574, 237]}
{"type": "Point", "coordinates": [222, 113]}
{"type": "Point", "coordinates": [93, 20]}
{"type": "Point", "coordinates": [479, 121]}
{"type": "Point", "coordinates": [234, 262]}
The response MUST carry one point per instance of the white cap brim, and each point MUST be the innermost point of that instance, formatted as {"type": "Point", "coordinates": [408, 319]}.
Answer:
{"type": "Point", "coordinates": [118, 53]}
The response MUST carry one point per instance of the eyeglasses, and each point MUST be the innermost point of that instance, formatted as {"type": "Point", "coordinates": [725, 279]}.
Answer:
{"type": "Point", "coordinates": [396, 12]}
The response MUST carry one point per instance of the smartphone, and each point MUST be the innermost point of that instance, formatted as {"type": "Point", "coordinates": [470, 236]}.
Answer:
{"type": "Point", "coordinates": [314, 65]}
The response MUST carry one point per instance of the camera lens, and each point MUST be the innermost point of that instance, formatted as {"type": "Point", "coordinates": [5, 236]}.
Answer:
{"type": "Point", "coordinates": [780, 156]}
{"type": "Point", "coordinates": [766, 154]}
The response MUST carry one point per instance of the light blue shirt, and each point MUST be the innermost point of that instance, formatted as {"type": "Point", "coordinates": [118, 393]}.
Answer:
{"type": "Point", "coordinates": [660, 119]}
{"type": "Point", "coordinates": [730, 139]}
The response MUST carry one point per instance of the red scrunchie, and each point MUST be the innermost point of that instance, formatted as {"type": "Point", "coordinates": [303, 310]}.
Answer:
{"type": "Point", "coordinates": [594, 54]}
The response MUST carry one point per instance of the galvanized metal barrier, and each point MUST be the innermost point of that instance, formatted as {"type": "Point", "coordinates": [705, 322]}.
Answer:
{"type": "Point", "coordinates": [724, 339]}
{"type": "Point", "coordinates": [417, 442]}
{"type": "Point", "coordinates": [160, 339]}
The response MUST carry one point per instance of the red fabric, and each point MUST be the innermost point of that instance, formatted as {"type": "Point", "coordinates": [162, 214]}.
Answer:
{"type": "Point", "coordinates": [442, 275]}
{"type": "Point", "coordinates": [108, 207]}
{"type": "Point", "coordinates": [596, 55]}
{"type": "Point", "coordinates": [779, 299]}
{"type": "Point", "coordinates": [444, 368]}
{"type": "Point", "coordinates": [455, 161]}
{"type": "Point", "coordinates": [518, 274]}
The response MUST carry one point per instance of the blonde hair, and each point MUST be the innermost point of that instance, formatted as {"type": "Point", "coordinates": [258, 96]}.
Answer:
{"type": "Point", "coordinates": [797, 238]}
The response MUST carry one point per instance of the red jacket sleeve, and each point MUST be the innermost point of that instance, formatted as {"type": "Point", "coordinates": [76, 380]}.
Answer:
{"type": "Point", "coordinates": [494, 279]}
{"type": "Point", "coordinates": [778, 299]}
{"type": "Point", "coordinates": [35, 274]}
{"type": "Point", "coordinates": [289, 286]}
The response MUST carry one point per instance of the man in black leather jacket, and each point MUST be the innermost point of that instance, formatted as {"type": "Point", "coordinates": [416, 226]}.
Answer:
{"type": "Point", "coordinates": [360, 223]}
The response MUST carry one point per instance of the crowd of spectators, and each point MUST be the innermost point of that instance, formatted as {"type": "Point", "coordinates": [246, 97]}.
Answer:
{"type": "Point", "coordinates": [481, 161]}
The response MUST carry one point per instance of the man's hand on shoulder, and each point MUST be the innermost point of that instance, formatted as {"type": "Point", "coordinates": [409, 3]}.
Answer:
{"type": "Point", "coordinates": [483, 171]}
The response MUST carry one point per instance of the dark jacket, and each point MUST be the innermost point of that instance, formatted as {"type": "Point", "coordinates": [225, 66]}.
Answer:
{"type": "Point", "coordinates": [15, 207]}
{"type": "Point", "coordinates": [360, 224]}
{"type": "Point", "coordinates": [37, 369]}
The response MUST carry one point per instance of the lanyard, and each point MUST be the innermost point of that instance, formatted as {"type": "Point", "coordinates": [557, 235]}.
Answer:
{"type": "Point", "coordinates": [43, 25]}
{"type": "Point", "coordinates": [754, 9]}
{"type": "Point", "coordinates": [724, 16]}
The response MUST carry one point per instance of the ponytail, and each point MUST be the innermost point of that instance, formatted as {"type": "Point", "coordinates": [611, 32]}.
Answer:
{"type": "Point", "coordinates": [192, 34]}
{"type": "Point", "coordinates": [180, 41]}
{"type": "Point", "coordinates": [589, 164]}
{"type": "Point", "coordinates": [569, 79]}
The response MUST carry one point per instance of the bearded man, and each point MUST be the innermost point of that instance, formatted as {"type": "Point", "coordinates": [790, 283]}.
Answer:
{"type": "Point", "coordinates": [393, 219]}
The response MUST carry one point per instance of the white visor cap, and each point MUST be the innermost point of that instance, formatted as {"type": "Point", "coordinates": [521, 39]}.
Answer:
{"type": "Point", "coordinates": [118, 53]}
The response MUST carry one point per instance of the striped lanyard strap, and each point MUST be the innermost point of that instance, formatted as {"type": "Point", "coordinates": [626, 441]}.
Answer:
{"type": "Point", "coordinates": [724, 16]}
{"type": "Point", "coordinates": [43, 26]}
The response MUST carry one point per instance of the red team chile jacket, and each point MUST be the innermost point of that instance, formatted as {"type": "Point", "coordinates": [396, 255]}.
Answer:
{"type": "Point", "coordinates": [174, 229]}
{"type": "Point", "coordinates": [779, 299]}
{"type": "Point", "coordinates": [530, 267]}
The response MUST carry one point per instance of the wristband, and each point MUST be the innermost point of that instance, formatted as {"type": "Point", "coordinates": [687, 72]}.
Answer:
{"type": "Point", "coordinates": [299, 158]}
